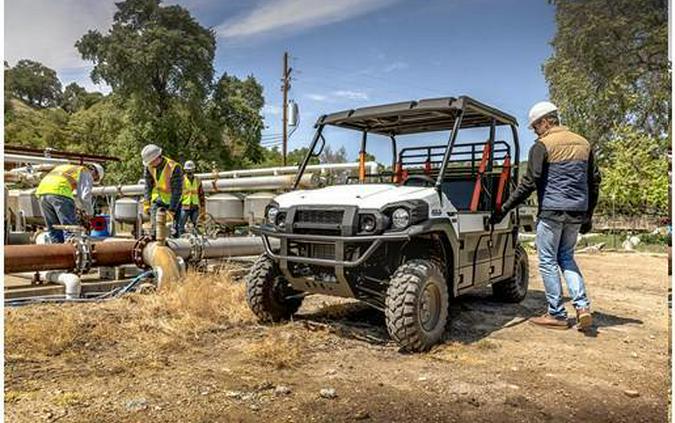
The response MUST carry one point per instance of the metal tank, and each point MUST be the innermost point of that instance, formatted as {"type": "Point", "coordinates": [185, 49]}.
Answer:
{"type": "Point", "coordinates": [225, 208]}
{"type": "Point", "coordinates": [126, 210]}
{"type": "Point", "coordinates": [255, 204]}
{"type": "Point", "coordinates": [30, 208]}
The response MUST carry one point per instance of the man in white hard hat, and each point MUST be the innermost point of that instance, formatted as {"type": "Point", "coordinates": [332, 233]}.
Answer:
{"type": "Point", "coordinates": [193, 197]}
{"type": "Point", "coordinates": [163, 185]}
{"type": "Point", "coordinates": [62, 191]}
{"type": "Point", "coordinates": [562, 169]}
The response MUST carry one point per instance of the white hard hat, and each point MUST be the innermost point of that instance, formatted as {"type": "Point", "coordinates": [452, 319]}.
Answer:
{"type": "Point", "coordinates": [189, 165]}
{"type": "Point", "coordinates": [540, 110]}
{"type": "Point", "coordinates": [150, 152]}
{"type": "Point", "coordinates": [99, 170]}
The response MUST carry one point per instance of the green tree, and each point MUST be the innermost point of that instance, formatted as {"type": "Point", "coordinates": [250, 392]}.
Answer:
{"type": "Point", "coordinates": [635, 178]}
{"type": "Point", "coordinates": [236, 107]}
{"type": "Point", "coordinates": [609, 74]}
{"type": "Point", "coordinates": [610, 67]}
{"type": "Point", "coordinates": [155, 54]}
{"type": "Point", "coordinates": [76, 98]}
{"type": "Point", "coordinates": [33, 83]}
{"type": "Point", "coordinates": [328, 155]}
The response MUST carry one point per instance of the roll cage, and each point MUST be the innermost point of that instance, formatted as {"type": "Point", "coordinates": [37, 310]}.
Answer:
{"type": "Point", "coordinates": [427, 115]}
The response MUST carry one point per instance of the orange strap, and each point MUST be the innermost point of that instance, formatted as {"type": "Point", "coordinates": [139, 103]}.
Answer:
{"type": "Point", "coordinates": [503, 180]}
{"type": "Point", "coordinates": [362, 166]}
{"type": "Point", "coordinates": [398, 172]}
{"type": "Point", "coordinates": [427, 168]}
{"type": "Point", "coordinates": [477, 188]}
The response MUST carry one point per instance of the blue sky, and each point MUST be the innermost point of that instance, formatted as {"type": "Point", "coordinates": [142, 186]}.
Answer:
{"type": "Point", "coordinates": [345, 53]}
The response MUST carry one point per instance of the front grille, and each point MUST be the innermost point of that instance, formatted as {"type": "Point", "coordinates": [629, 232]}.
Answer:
{"type": "Point", "coordinates": [319, 216]}
{"type": "Point", "coordinates": [323, 251]}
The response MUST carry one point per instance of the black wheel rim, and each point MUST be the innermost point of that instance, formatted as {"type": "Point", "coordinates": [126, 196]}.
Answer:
{"type": "Point", "coordinates": [429, 310]}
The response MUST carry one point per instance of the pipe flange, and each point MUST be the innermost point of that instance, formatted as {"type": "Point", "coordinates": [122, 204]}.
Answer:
{"type": "Point", "coordinates": [83, 254]}
{"type": "Point", "coordinates": [196, 248]}
{"type": "Point", "coordinates": [137, 252]}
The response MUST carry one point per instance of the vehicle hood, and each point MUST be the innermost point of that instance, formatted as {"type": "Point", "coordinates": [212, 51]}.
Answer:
{"type": "Point", "coordinates": [366, 196]}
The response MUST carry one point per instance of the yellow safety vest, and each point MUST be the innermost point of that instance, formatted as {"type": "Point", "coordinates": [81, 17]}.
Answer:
{"type": "Point", "coordinates": [62, 180]}
{"type": "Point", "coordinates": [162, 188]}
{"type": "Point", "coordinates": [190, 192]}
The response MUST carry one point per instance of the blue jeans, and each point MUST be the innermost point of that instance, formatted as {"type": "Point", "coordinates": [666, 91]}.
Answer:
{"type": "Point", "coordinates": [176, 221]}
{"type": "Point", "coordinates": [58, 210]}
{"type": "Point", "coordinates": [555, 246]}
{"type": "Point", "coordinates": [192, 214]}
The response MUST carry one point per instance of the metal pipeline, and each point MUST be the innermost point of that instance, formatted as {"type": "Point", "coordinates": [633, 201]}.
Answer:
{"type": "Point", "coordinates": [33, 258]}
{"type": "Point", "coordinates": [284, 170]}
{"type": "Point", "coordinates": [164, 262]}
{"type": "Point", "coordinates": [254, 183]}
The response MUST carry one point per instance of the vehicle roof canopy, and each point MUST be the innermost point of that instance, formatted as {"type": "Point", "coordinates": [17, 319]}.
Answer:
{"type": "Point", "coordinates": [409, 117]}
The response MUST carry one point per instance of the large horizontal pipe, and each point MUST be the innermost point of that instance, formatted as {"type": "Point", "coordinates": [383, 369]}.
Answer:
{"type": "Point", "coordinates": [27, 258]}
{"type": "Point", "coordinates": [220, 247]}
{"type": "Point", "coordinates": [31, 258]}
{"type": "Point", "coordinates": [286, 169]}
{"type": "Point", "coordinates": [258, 183]}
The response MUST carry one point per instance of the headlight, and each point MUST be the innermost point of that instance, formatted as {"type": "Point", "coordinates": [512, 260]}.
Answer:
{"type": "Point", "coordinates": [400, 218]}
{"type": "Point", "coordinates": [272, 213]}
{"type": "Point", "coordinates": [281, 220]}
{"type": "Point", "coordinates": [367, 223]}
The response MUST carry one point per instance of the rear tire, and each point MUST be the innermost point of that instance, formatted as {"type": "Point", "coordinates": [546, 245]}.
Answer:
{"type": "Point", "coordinates": [416, 306]}
{"type": "Point", "coordinates": [267, 291]}
{"type": "Point", "coordinates": [514, 290]}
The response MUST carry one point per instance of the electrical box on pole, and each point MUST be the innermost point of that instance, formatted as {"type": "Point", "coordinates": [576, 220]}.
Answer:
{"type": "Point", "coordinates": [292, 113]}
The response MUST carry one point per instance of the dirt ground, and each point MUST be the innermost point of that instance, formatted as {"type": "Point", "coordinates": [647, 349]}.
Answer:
{"type": "Point", "coordinates": [196, 354]}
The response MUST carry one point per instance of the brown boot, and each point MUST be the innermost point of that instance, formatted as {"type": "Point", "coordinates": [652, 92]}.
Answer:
{"type": "Point", "coordinates": [584, 319]}
{"type": "Point", "coordinates": [550, 322]}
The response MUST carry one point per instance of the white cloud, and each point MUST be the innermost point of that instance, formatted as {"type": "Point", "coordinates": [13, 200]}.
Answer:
{"type": "Point", "coordinates": [396, 66]}
{"type": "Point", "coordinates": [317, 97]}
{"type": "Point", "coordinates": [295, 15]}
{"type": "Point", "coordinates": [351, 95]}
{"type": "Point", "coordinates": [46, 30]}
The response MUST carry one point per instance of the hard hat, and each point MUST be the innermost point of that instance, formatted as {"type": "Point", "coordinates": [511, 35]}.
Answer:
{"type": "Point", "coordinates": [150, 152]}
{"type": "Point", "coordinates": [540, 110]}
{"type": "Point", "coordinates": [189, 165]}
{"type": "Point", "coordinates": [99, 170]}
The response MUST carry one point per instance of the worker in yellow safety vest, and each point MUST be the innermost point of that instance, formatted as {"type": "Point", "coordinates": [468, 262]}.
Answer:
{"type": "Point", "coordinates": [193, 197]}
{"type": "Point", "coordinates": [62, 191]}
{"type": "Point", "coordinates": [163, 185]}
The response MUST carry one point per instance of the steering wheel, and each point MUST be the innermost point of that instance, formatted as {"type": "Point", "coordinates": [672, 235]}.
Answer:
{"type": "Point", "coordinates": [426, 181]}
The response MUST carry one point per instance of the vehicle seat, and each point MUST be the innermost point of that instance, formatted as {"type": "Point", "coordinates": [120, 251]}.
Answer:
{"type": "Point", "coordinates": [459, 192]}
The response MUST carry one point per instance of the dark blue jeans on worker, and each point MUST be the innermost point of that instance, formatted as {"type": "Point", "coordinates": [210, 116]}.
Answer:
{"type": "Point", "coordinates": [555, 247]}
{"type": "Point", "coordinates": [192, 214]}
{"type": "Point", "coordinates": [58, 210]}
{"type": "Point", "coordinates": [176, 219]}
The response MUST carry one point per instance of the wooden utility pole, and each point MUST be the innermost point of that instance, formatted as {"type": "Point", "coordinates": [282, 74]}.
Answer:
{"type": "Point", "coordinates": [285, 86]}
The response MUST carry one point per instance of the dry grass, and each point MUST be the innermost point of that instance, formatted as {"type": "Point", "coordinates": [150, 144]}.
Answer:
{"type": "Point", "coordinates": [174, 317]}
{"type": "Point", "coordinates": [278, 349]}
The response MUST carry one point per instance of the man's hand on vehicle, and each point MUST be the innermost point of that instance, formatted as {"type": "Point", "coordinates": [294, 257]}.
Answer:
{"type": "Point", "coordinates": [497, 216]}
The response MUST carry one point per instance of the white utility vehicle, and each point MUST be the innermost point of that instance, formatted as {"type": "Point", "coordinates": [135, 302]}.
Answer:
{"type": "Point", "coordinates": [405, 240]}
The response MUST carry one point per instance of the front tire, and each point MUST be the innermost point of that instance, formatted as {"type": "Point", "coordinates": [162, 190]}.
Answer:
{"type": "Point", "coordinates": [514, 290]}
{"type": "Point", "coordinates": [416, 306]}
{"type": "Point", "coordinates": [267, 292]}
